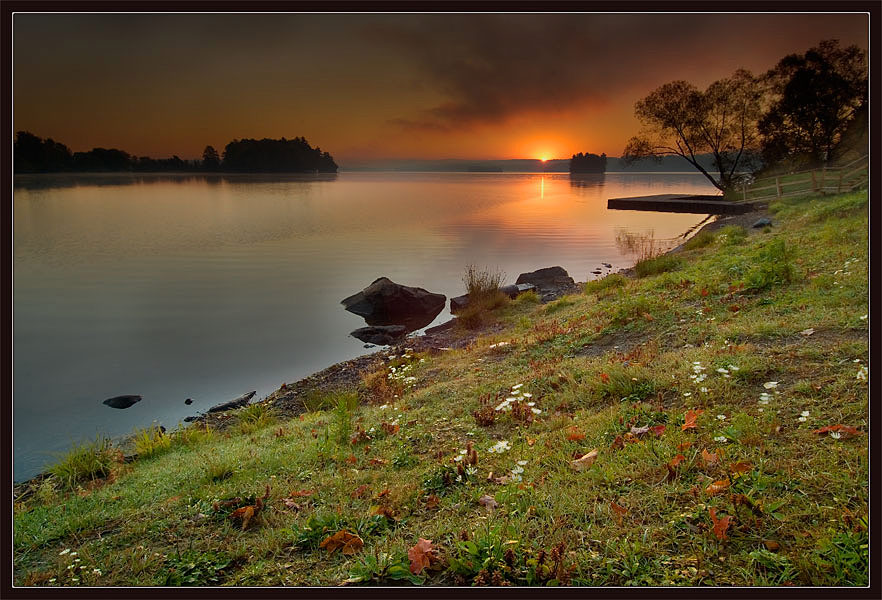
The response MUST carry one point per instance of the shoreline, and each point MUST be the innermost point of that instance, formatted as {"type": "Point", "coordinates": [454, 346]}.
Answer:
{"type": "Point", "coordinates": [288, 399]}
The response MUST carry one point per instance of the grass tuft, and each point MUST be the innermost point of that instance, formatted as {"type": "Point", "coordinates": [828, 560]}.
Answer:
{"type": "Point", "coordinates": [89, 461]}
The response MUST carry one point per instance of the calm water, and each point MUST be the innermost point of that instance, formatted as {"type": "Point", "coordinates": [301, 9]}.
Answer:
{"type": "Point", "coordinates": [209, 287]}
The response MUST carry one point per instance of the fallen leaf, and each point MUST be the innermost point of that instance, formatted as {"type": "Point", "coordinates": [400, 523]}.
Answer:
{"type": "Point", "coordinates": [647, 316]}
{"type": "Point", "coordinates": [617, 443]}
{"type": "Point", "coordinates": [585, 462]}
{"type": "Point", "coordinates": [689, 419]}
{"type": "Point", "coordinates": [709, 458]}
{"type": "Point", "coordinates": [658, 430]}
{"type": "Point", "coordinates": [604, 378]}
{"type": "Point", "coordinates": [772, 545]}
{"type": "Point", "coordinates": [531, 441]}
{"type": "Point", "coordinates": [347, 543]}
{"type": "Point", "coordinates": [620, 511]}
{"type": "Point", "coordinates": [808, 331]}
{"type": "Point", "coordinates": [846, 429]}
{"type": "Point", "coordinates": [717, 487]}
{"type": "Point", "coordinates": [488, 501]}
{"type": "Point", "coordinates": [384, 511]}
{"type": "Point", "coordinates": [720, 525]}
{"type": "Point", "coordinates": [638, 431]}
{"type": "Point", "coordinates": [378, 461]}
{"type": "Point", "coordinates": [433, 502]}
{"type": "Point", "coordinates": [289, 503]}
{"type": "Point", "coordinates": [734, 308]}
{"type": "Point", "coordinates": [389, 428]}
{"type": "Point", "coordinates": [244, 514]}
{"type": "Point", "coordinates": [704, 291]}
{"type": "Point", "coordinates": [676, 460]}
{"type": "Point", "coordinates": [383, 493]}
{"type": "Point", "coordinates": [740, 467]}
{"type": "Point", "coordinates": [574, 434]}
{"type": "Point", "coordinates": [421, 556]}
{"type": "Point", "coordinates": [351, 459]}
{"type": "Point", "coordinates": [360, 491]}
{"type": "Point", "coordinates": [684, 446]}
{"type": "Point", "coordinates": [296, 494]}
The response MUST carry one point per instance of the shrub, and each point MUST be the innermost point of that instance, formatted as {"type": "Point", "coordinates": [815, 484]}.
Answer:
{"type": "Point", "coordinates": [194, 434]}
{"type": "Point", "coordinates": [659, 264]}
{"type": "Point", "coordinates": [700, 240]}
{"type": "Point", "coordinates": [528, 297]}
{"type": "Point", "coordinates": [342, 420]}
{"type": "Point", "coordinates": [92, 460]}
{"type": "Point", "coordinates": [151, 441]}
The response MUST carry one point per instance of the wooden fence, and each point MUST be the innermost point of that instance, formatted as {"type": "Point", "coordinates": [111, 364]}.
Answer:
{"type": "Point", "coordinates": [828, 180]}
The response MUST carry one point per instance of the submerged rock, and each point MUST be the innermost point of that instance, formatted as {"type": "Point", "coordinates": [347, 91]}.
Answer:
{"type": "Point", "coordinates": [122, 401]}
{"type": "Point", "coordinates": [763, 222]}
{"type": "Point", "coordinates": [385, 302]}
{"type": "Point", "coordinates": [237, 403]}
{"type": "Point", "coordinates": [383, 335]}
{"type": "Point", "coordinates": [547, 278]}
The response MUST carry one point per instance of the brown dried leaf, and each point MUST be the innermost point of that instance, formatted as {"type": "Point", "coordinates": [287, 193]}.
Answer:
{"type": "Point", "coordinates": [720, 525]}
{"type": "Point", "coordinates": [620, 511]}
{"type": "Point", "coordinates": [244, 514]}
{"type": "Point", "coordinates": [488, 501]}
{"type": "Point", "coordinates": [301, 493]}
{"type": "Point", "coordinates": [689, 419]}
{"type": "Point", "coordinates": [843, 429]}
{"type": "Point", "coordinates": [347, 543]}
{"type": "Point", "coordinates": [361, 491]}
{"type": "Point", "coordinates": [709, 458]}
{"type": "Point", "coordinates": [740, 467]}
{"type": "Point", "coordinates": [676, 460]}
{"type": "Point", "coordinates": [421, 555]}
{"type": "Point", "coordinates": [574, 434]}
{"type": "Point", "coordinates": [585, 462]}
{"type": "Point", "coordinates": [658, 430]}
{"type": "Point", "coordinates": [433, 502]}
{"type": "Point", "coordinates": [717, 487]}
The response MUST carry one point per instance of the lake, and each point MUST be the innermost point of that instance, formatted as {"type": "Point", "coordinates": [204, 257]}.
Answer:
{"type": "Point", "coordinates": [206, 287]}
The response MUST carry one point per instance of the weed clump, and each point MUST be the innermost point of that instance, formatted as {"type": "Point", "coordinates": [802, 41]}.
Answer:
{"type": "Point", "coordinates": [732, 235]}
{"type": "Point", "coordinates": [151, 441]}
{"type": "Point", "coordinates": [482, 287]}
{"type": "Point", "coordinates": [700, 240]}
{"type": "Point", "coordinates": [657, 265]}
{"type": "Point", "coordinates": [89, 461]}
{"type": "Point", "coordinates": [255, 417]}
{"type": "Point", "coordinates": [608, 283]}
{"type": "Point", "coordinates": [773, 268]}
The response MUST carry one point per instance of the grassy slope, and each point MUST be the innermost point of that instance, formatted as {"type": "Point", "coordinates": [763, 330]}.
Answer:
{"type": "Point", "coordinates": [155, 523]}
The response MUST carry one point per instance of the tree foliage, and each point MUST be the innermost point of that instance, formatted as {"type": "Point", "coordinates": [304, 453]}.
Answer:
{"type": "Point", "coordinates": [679, 119]}
{"type": "Point", "coordinates": [588, 163]}
{"type": "Point", "coordinates": [282, 155]}
{"type": "Point", "coordinates": [813, 98]}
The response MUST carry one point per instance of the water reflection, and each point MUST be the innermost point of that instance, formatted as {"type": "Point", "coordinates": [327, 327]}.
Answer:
{"type": "Point", "coordinates": [32, 181]}
{"type": "Point", "coordinates": [586, 180]}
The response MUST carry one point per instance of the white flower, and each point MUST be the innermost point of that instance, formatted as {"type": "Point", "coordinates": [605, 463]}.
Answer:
{"type": "Point", "coordinates": [722, 370]}
{"type": "Point", "coordinates": [721, 438]}
{"type": "Point", "coordinates": [770, 385]}
{"type": "Point", "coordinates": [704, 390]}
{"type": "Point", "coordinates": [63, 552]}
{"type": "Point", "coordinates": [73, 553]}
{"type": "Point", "coordinates": [531, 404]}
{"type": "Point", "coordinates": [462, 451]}
{"type": "Point", "coordinates": [536, 411]}
{"type": "Point", "coordinates": [804, 413]}
{"type": "Point", "coordinates": [522, 462]}
{"type": "Point", "coordinates": [96, 571]}
{"type": "Point", "coordinates": [500, 447]}
{"type": "Point", "coordinates": [457, 459]}
{"type": "Point", "coordinates": [517, 469]}
{"type": "Point", "coordinates": [721, 417]}
{"type": "Point", "coordinates": [528, 395]}
{"type": "Point", "coordinates": [734, 368]}
{"type": "Point", "coordinates": [801, 419]}
{"type": "Point", "coordinates": [835, 435]}
{"type": "Point", "coordinates": [384, 406]}
{"type": "Point", "coordinates": [687, 394]}
{"type": "Point", "coordinates": [516, 386]}
{"type": "Point", "coordinates": [864, 318]}
{"type": "Point", "coordinates": [862, 373]}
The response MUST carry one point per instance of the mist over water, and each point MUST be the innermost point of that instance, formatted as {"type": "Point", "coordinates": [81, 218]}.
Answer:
{"type": "Point", "coordinates": [209, 287]}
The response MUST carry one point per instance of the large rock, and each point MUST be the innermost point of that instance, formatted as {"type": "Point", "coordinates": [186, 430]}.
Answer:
{"type": "Point", "coordinates": [548, 278]}
{"type": "Point", "coordinates": [460, 302]}
{"type": "Point", "coordinates": [384, 335]}
{"type": "Point", "coordinates": [385, 302]}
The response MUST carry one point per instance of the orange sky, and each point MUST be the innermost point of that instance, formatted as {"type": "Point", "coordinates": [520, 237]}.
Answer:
{"type": "Point", "coordinates": [376, 86]}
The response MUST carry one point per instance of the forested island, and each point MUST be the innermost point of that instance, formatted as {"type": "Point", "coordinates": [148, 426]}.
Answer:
{"type": "Point", "coordinates": [588, 163]}
{"type": "Point", "coordinates": [33, 154]}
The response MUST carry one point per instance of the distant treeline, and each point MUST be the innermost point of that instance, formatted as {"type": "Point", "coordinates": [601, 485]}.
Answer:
{"type": "Point", "coordinates": [33, 154]}
{"type": "Point", "coordinates": [588, 163]}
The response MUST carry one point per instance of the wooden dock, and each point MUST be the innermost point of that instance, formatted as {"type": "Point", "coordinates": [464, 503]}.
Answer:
{"type": "Point", "coordinates": [698, 204]}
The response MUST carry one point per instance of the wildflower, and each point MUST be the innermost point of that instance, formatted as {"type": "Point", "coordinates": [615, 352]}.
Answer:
{"type": "Point", "coordinates": [770, 385]}
{"type": "Point", "coordinates": [517, 469]}
{"type": "Point", "coordinates": [516, 386]}
{"type": "Point", "coordinates": [384, 406]}
{"type": "Point", "coordinates": [722, 370]}
{"type": "Point", "coordinates": [721, 439]}
{"type": "Point", "coordinates": [804, 413]}
{"type": "Point", "coordinates": [457, 459]}
{"type": "Point", "coordinates": [96, 571]}
{"type": "Point", "coordinates": [864, 318]}
{"type": "Point", "coordinates": [687, 394]}
{"type": "Point", "coordinates": [522, 462]}
{"type": "Point", "coordinates": [862, 373]}
{"type": "Point", "coordinates": [536, 411]}
{"type": "Point", "coordinates": [733, 368]}
{"type": "Point", "coordinates": [52, 580]}
{"type": "Point", "coordinates": [801, 419]}
{"type": "Point", "coordinates": [704, 390]}
{"type": "Point", "coordinates": [531, 404]}
{"type": "Point", "coordinates": [835, 435]}
{"type": "Point", "coordinates": [73, 553]}
{"type": "Point", "coordinates": [721, 417]}
{"type": "Point", "coordinates": [499, 447]}
{"type": "Point", "coordinates": [63, 552]}
{"type": "Point", "coordinates": [528, 395]}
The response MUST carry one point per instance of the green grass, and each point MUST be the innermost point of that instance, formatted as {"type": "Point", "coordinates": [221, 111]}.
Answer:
{"type": "Point", "coordinates": [657, 265]}
{"type": "Point", "coordinates": [379, 458]}
{"type": "Point", "coordinates": [88, 461]}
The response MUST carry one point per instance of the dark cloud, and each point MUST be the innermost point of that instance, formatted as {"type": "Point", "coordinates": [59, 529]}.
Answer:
{"type": "Point", "coordinates": [492, 67]}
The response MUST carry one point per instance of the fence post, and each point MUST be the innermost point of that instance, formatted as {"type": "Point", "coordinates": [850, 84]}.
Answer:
{"type": "Point", "coordinates": [778, 186]}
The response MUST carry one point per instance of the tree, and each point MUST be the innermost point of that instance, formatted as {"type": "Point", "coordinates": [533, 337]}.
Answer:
{"type": "Point", "coordinates": [210, 159]}
{"type": "Point", "coordinates": [814, 97]}
{"type": "Point", "coordinates": [681, 120]}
